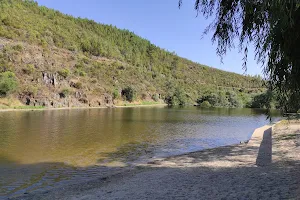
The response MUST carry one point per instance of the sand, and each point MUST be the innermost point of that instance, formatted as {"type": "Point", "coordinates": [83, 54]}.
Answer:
{"type": "Point", "coordinates": [268, 167]}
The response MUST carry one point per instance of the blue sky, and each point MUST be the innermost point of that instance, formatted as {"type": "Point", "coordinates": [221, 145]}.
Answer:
{"type": "Point", "coordinates": [161, 22]}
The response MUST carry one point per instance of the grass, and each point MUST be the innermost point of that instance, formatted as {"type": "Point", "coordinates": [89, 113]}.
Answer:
{"type": "Point", "coordinates": [22, 107]}
{"type": "Point", "coordinates": [13, 103]}
{"type": "Point", "coordinates": [2, 107]}
{"type": "Point", "coordinates": [150, 103]}
{"type": "Point", "coordinates": [9, 102]}
{"type": "Point", "coordinates": [138, 103]}
{"type": "Point", "coordinates": [29, 107]}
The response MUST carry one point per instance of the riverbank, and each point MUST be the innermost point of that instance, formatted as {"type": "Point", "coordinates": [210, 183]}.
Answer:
{"type": "Point", "coordinates": [30, 108]}
{"type": "Point", "coordinates": [268, 167]}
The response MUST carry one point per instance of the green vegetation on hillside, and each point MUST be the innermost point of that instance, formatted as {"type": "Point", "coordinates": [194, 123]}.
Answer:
{"type": "Point", "coordinates": [96, 59]}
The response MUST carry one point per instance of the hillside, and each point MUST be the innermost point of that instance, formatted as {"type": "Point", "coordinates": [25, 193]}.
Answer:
{"type": "Point", "coordinates": [62, 61]}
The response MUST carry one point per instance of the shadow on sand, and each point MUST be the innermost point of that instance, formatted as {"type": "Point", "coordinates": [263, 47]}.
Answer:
{"type": "Point", "coordinates": [264, 156]}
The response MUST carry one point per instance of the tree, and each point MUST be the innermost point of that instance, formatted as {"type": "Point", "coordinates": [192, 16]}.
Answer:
{"type": "Point", "coordinates": [273, 27]}
{"type": "Point", "coordinates": [234, 100]}
{"type": "Point", "coordinates": [128, 93]}
{"type": "Point", "coordinates": [8, 83]}
{"type": "Point", "coordinates": [263, 100]}
{"type": "Point", "coordinates": [178, 97]}
{"type": "Point", "coordinates": [212, 98]}
{"type": "Point", "coordinates": [205, 104]}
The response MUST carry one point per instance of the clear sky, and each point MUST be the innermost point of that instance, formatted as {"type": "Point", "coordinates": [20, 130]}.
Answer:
{"type": "Point", "coordinates": [161, 22]}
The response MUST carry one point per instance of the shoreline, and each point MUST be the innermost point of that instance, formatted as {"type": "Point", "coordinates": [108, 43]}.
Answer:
{"type": "Point", "coordinates": [231, 156]}
{"type": "Point", "coordinates": [78, 108]}
{"type": "Point", "coordinates": [255, 167]}
{"type": "Point", "coordinates": [254, 142]}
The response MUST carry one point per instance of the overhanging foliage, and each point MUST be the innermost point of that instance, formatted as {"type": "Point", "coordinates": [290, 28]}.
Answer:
{"type": "Point", "coordinates": [273, 27]}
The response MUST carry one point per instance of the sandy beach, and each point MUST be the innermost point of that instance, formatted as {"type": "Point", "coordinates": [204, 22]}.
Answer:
{"type": "Point", "coordinates": [268, 167]}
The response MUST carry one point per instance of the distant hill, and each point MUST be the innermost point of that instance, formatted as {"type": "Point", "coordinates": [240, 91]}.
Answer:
{"type": "Point", "coordinates": [62, 61]}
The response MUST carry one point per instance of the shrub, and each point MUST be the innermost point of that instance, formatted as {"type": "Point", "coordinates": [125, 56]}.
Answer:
{"type": "Point", "coordinates": [128, 94]}
{"type": "Point", "coordinates": [72, 48]}
{"type": "Point", "coordinates": [77, 85]}
{"type": "Point", "coordinates": [116, 94]}
{"type": "Point", "coordinates": [64, 93]}
{"type": "Point", "coordinates": [85, 60]}
{"type": "Point", "coordinates": [205, 104]}
{"type": "Point", "coordinates": [43, 43]}
{"type": "Point", "coordinates": [80, 72]}
{"type": "Point", "coordinates": [7, 21]}
{"type": "Point", "coordinates": [18, 48]}
{"type": "Point", "coordinates": [93, 80]}
{"type": "Point", "coordinates": [155, 97]}
{"type": "Point", "coordinates": [79, 65]}
{"type": "Point", "coordinates": [8, 83]}
{"type": "Point", "coordinates": [64, 73]}
{"type": "Point", "coordinates": [29, 69]}
{"type": "Point", "coordinates": [31, 90]}
{"type": "Point", "coordinates": [5, 66]}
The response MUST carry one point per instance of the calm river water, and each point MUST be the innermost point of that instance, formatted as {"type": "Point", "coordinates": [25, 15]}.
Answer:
{"type": "Point", "coordinates": [42, 148]}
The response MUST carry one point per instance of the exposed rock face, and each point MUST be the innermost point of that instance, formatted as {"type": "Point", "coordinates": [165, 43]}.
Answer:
{"type": "Point", "coordinates": [30, 100]}
{"type": "Point", "coordinates": [83, 100]}
{"type": "Point", "coordinates": [104, 100]}
{"type": "Point", "coordinates": [59, 99]}
{"type": "Point", "coordinates": [108, 100]}
{"type": "Point", "coordinates": [50, 79]}
{"type": "Point", "coordinates": [79, 95]}
{"type": "Point", "coordinates": [95, 102]}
